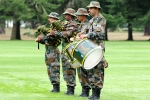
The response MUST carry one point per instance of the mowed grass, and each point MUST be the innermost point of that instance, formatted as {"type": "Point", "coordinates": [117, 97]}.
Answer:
{"type": "Point", "coordinates": [23, 73]}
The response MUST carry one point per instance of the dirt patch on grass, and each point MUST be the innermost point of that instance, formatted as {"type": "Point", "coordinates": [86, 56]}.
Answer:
{"type": "Point", "coordinates": [124, 36]}
{"type": "Point", "coordinates": [118, 35]}
{"type": "Point", "coordinates": [7, 36]}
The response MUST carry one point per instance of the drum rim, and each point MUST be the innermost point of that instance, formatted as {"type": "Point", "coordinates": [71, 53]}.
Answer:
{"type": "Point", "coordinates": [77, 45]}
{"type": "Point", "coordinates": [66, 47]}
{"type": "Point", "coordinates": [74, 60]}
{"type": "Point", "coordinates": [88, 54]}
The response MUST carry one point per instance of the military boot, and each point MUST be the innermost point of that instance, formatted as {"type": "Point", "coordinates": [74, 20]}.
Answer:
{"type": "Point", "coordinates": [56, 88]}
{"type": "Point", "coordinates": [67, 90]}
{"type": "Point", "coordinates": [85, 91]}
{"type": "Point", "coordinates": [70, 90]}
{"type": "Point", "coordinates": [95, 94]}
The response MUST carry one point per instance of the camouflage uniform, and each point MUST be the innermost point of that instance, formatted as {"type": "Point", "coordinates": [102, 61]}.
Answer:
{"type": "Point", "coordinates": [52, 61]}
{"type": "Point", "coordinates": [96, 31]}
{"type": "Point", "coordinates": [52, 58]}
{"type": "Point", "coordinates": [82, 73]}
{"type": "Point", "coordinates": [69, 73]}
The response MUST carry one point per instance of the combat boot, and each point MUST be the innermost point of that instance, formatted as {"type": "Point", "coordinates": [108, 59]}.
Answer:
{"type": "Point", "coordinates": [56, 88]}
{"type": "Point", "coordinates": [85, 91]}
{"type": "Point", "coordinates": [67, 90]}
{"type": "Point", "coordinates": [70, 90]}
{"type": "Point", "coordinates": [95, 94]}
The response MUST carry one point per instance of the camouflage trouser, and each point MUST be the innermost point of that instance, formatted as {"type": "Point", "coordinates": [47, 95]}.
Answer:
{"type": "Point", "coordinates": [52, 60]}
{"type": "Point", "coordinates": [69, 73]}
{"type": "Point", "coordinates": [83, 76]}
{"type": "Point", "coordinates": [96, 76]}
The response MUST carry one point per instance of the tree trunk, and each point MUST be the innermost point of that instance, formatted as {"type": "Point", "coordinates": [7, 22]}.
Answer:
{"type": "Point", "coordinates": [130, 37]}
{"type": "Point", "coordinates": [70, 4]}
{"type": "Point", "coordinates": [16, 30]}
{"type": "Point", "coordinates": [33, 25]}
{"type": "Point", "coordinates": [2, 30]}
{"type": "Point", "coordinates": [2, 27]}
{"type": "Point", "coordinates": [62, 7]}
{"type": "Point", "coordinates": [147, 30]}
{"type": "Point", "coordinates": [106, 33]}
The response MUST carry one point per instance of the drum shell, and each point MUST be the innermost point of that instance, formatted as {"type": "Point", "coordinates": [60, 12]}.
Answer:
{"type": "Point", "coordinates": [68, 52]}
{"type": "Point", "coordinates": [83, 49]}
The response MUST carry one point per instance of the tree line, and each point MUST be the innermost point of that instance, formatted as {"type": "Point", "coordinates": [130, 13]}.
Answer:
{"type": "Point", "coordinates": [134, 13]}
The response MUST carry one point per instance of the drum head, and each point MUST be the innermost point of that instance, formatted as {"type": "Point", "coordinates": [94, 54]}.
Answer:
{"type": "Point", "coordinates": [93, 58]}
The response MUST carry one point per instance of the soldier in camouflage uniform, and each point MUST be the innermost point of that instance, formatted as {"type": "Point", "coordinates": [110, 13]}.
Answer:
{"type": "Point", "coordinates": [69, 73]}
{"type": "Point", "coordinates": [52, 56]}
{"type": "Point", "coordinates": [82, 15]}
{"type": "Point", "coordinates": [95, 31]}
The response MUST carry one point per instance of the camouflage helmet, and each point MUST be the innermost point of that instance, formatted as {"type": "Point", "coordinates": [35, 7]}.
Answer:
{"type": "Point", "coordinates": [70, 11]}
{"type": "Point", "coordinates": [53, 15]}
{"type": "Point", "coordinates": [94, 4]}
{"type": "Point", "coordinates": [82, 11]}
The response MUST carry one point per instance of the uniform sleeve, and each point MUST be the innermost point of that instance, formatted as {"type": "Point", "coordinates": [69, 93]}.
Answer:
{"type": "Point", "coordinates": [63, 34]}
{"type": "Point", "coordinates": [71, 30]}
{"type": "Point", "coordinates": [67, 33]}
{"type": "Point", "coordinates": [84, 28]}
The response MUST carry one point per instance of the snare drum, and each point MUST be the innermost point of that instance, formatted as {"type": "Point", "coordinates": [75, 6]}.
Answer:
{"type": "Point", "coordinates": [68, 53]}
{"type": "Point", "coordinates": [87, 53]}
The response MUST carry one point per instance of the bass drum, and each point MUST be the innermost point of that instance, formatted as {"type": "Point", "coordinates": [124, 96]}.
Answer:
{"type": "Point", "coordinates": [87, 53]}
{"type": "Point", "coordinates": [68, 52]}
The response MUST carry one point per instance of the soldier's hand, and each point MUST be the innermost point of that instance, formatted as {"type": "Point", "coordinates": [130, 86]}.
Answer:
{"type": "Point", "coordinates": [52, 32]}
{"type": "Point", "coordinates": [83, 36]}
{"type": "Point", "coordinates": [79, 34]}
{"type": "Point", "coordinates": [39, 38]}
{"type": "Point", "coordinates": [66, 29]}
{"type": "Point", "coordinates": [49, 34]}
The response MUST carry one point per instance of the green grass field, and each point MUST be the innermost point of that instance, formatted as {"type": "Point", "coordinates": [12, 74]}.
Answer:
{"type": "Point", "coordinates": [23, 73]}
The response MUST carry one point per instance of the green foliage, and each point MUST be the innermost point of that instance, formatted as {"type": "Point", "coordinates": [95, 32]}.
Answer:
{"type": "Point", "coordinates": [81, 4]}
{"type": "Point", "coordinates": [41, 8]}
{"type": "Point", "coordinates": [36, 10]}
{"type": "Point", "coordinates": [145, 20]}
{"type": "Point", "coordinates": [114, 20]}
{"type": "Point", "coordinates": [115, 11]}
{"type": "Point", "coordinates": [129, 9]}
{"type": "Point", "coordinates": [15, 10]}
